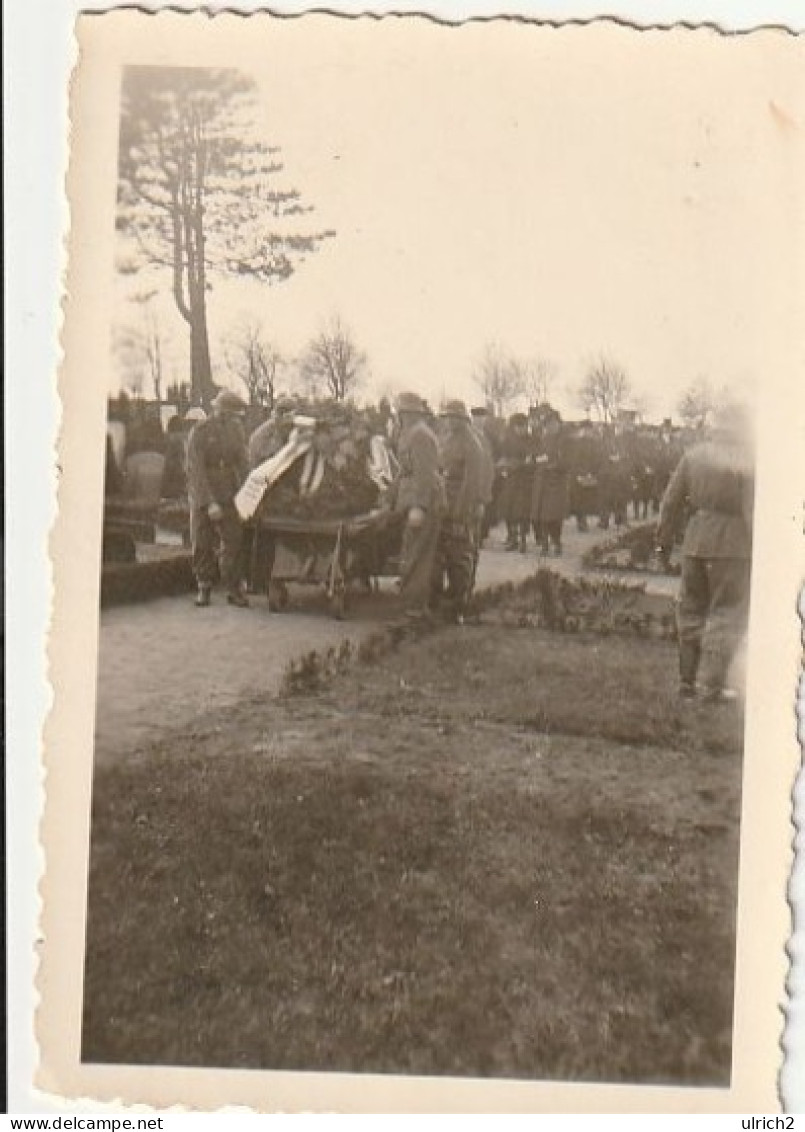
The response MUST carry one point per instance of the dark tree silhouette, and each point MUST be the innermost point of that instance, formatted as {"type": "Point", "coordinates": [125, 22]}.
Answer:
{"type": "Point", "coordinates": [500, 377]}
{"type": "Point", "coordinates": [605, 389]}
{"type": "Point", "coordinates": [256, 361]}
{"type": "Point", "coordinates": [198, 193]}
{"type": "Point", "coordinates": [333, 362]}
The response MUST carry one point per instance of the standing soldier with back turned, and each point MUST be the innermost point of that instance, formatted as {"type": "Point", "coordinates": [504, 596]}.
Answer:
{"type": "Point", "coordinates": [467, 484]}
{"type": "Point", "coordinates": [714, 481]}
{"type": "Point", "coordinates": [419, 495]}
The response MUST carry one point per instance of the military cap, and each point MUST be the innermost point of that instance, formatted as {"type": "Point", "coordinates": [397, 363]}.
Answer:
{"type": "Point", "coordinates": [410, 403]}
{"type": "Point", "coordinates": [479, 411]}
{"type": "Point", "coordinates": [228, 401]}
{"type": "Point", "coordinates": [518, 419]}
{"type": "Point", "coordinates": [454, 409]}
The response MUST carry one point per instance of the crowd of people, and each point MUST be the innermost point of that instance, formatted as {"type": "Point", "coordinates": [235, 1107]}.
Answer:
{"type": "Point", "coordinates": [460, 473]}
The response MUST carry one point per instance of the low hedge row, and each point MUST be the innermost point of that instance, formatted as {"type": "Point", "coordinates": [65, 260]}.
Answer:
{"type": "Point", "coordinates": [545, 600]}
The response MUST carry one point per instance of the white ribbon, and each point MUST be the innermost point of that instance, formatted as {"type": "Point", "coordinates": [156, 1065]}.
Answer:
{"type": "Point", "coordinates": [265, 475]}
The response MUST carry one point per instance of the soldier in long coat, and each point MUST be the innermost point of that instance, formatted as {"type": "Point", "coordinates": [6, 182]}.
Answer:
{"type": "Point", "coordinates": [644, 454]}
{"type": "Point", "coordinates": [467, 486]}
{"type": "Point", "coordinates": [216, 469]}
{"type": "Point", "coordinates": [615, 478]}
{"type": "Point", "coordinates": [667, 454]}
{"type": "Point", "coordinates": [517, 470]}
{"type": "Point", "coordinates": [550, 498]}
{"type": "Point", "coordinates": [714, 484]}
{"type": "Point", "coordinates": [478, 417]}
{"type": "Point", "coordinates": [419, 495]}
{"type": "Point", "coordinates": [585, 462]}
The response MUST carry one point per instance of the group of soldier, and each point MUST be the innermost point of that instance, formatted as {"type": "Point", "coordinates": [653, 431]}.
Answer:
{"type": "Point", "coordinates": [460, 473]}
{"type": "Point", "coordinates": [442, 494]}
{"type": "Point", "coordinates": [548, 470]}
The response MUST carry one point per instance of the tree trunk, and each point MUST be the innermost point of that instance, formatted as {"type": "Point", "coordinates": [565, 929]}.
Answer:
{"type": "Point", "coordinates": [201, 384]}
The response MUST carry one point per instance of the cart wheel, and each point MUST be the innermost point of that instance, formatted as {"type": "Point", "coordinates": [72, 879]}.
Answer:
{"type": "Point", "coordinates": [277, 597]}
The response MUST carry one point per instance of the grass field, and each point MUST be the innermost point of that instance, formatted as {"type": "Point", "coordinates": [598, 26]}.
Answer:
{"type": "Point", "coordinates": [494, 852]}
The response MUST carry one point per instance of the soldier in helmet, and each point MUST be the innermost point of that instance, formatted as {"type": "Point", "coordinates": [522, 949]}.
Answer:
{"type": "Point", "coordinates": [466, 483]}
{"type": "Point", "coordinates": [713, 484]}
{"type": "Point", "coordinates": [419, 495]}
{"type": "Point", "coordinates": [216, 469]}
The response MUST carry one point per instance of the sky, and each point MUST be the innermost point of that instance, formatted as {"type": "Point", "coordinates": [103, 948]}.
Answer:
{"type": "Point", "coordinates": [518, 188]}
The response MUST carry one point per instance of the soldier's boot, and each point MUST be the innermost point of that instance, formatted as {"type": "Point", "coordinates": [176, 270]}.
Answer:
{"type": "Point", "coordinates": [690, 654]}
{"type": "Point", "coordinates": [511, 537]}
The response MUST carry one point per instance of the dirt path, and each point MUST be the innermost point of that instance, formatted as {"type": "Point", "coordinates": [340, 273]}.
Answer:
{"type": "Point", "coordinates": [164, 663]}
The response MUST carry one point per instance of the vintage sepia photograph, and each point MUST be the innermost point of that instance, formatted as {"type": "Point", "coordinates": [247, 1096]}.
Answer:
{"type": "Point", "coordinates": [431, 381]}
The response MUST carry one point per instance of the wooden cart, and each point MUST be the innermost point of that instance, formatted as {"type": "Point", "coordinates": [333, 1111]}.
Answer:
{"type": "Point", "coordinates": [332, 553]}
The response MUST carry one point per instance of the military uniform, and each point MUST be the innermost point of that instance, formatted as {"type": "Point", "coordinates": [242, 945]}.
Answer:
{"type": "Point", "coordinates": [615, 479]}
{"type": "Point", "coordinates": [584, 455]}
{"type": "Point", "coordinates": [418, 489]}
{"type": "Point", "coordinates": [487, 480]}
{"type": "Point", "coordinates": [642, 448]}
{"type": "Point", "coordinates": [550, 496]}
{"type": "Point", "coordinates": [714, 481]}
{"type": "Point", "coordinates": [667, 454]}
{"type": "Point", "coordinates": [216, 469]}
{"type": "Point", "coordinates": [467, 485]}
{"type": "Point", "coordinates": [517, 469]}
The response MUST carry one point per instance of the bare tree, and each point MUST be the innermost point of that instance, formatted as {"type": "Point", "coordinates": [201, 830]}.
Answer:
{"type": "Point", "coordinates": [539, 375]}
{"type": "Point", "coordinates": [152, 339]}
{"type": "Point", "coordinates": [605, 389]}
{"type": "Point", "coordinates": [500, 377]}
{"type": "Point", "coordinates": [255, 361]}
{"type": "Point", "coordinates": [698, 403]}
{"type": "Point", "coordinates": [333, 362]}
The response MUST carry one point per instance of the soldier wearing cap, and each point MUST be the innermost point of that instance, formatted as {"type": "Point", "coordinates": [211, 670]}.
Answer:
{"type": "Point", "coordinates": [714, 484]}
{"type": "Point", "coordinates": [479, 418]}
{"type": "Point", "coordinates": [615, 477]}
{"type": "Point", "coordinates": [585, 462]}
{"type": "Point", "coordinates": [467, 489]}
{"type": "Point", "coordinates": [419, 495]}
{"type": "Point", "coordinates": [550, 498]}
{"type": "Point", "coordinates": [216, 468]}
{"type": "Point", "coordinates": [517, 472]}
